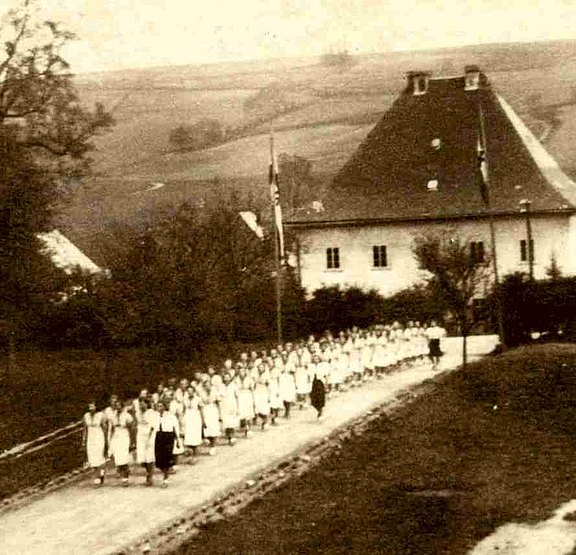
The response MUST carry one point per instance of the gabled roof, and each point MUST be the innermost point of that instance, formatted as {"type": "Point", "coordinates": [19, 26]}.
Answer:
{"type": "Point", "coordinates": [386, 179]}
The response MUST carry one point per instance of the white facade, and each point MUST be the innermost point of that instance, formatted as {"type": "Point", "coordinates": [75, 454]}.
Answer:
{"type": "Point", "coordinates": [553, 235]}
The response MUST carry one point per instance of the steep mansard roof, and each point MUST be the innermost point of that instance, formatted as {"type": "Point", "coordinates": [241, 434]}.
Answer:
{"type": "Point", "coordinates": [434, 136]}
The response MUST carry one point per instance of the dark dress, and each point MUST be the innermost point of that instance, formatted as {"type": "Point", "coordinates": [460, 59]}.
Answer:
{"type": "Point", "coordinates": [434, 346]}
{"type": "Point", "coordinates": [163, 449]}
{"type": "Point", "coordinates": [318, 394]}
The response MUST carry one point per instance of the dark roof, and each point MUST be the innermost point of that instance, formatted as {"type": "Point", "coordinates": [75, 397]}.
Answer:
{"type": "Point", "coordinates": [386, 179]}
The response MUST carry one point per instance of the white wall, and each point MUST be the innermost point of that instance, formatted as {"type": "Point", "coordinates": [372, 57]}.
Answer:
{"type": "Point", "coordinates": [552, 234]}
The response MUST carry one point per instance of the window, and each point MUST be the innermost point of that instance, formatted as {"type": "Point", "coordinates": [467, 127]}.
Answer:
{"type": "Point", "coordinates": [477, 252]}
{"type": "Point", "coordinates": [333, 258]}
{"type": "Point", "coordinates": [380, 256]}
{"type": "Point", "coordinates": [524, 250]}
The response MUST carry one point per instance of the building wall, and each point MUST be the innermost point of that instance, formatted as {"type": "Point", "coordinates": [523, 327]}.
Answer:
{"type": "Point", "coordinates": [553, 235]}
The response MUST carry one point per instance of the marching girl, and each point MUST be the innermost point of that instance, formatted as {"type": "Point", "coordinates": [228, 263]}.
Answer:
{"type": "Point", "coordinates": [146, 423]}
{"type": "Point", "coordinates": [356, 360]}
{"type": "Point", "coordinates": [192, 420]}
{"type": "Point", "coordinates": [347, 347]}
{"type": "Point", "coordinates": [229, 408]}
{"type": "Point", "coordinates": [94, 441]}
{"type": "Point", "coordinates": [323, 368]}
{"type": "Point", "coordinates": [167, 437]}
{"type": "Point", "coordinates": [367, 355]}
{"type": "Point", "coordinates": [379, 358]}
{"type": "Point", "coordinates": [176, 407]}
{"type": "Point", "coordinates": [262, 396]}
{"type": "Point", "coordinates": [211, 416]}
{"type": "Point", "coordinates": [301, 377]}
{"type": "Point", "coordinates": [120, 439]}
{"type": "Point", "coordinates": [318, 395]}
{"type": "Point", "coordinates": [274, 391]}
{"type": "Point", "coordinates": [421, 341]}
{"type": "Point", "coordinates": [287, 385]}
{"type": "Point", "coordinates": [245, 400]}
{"type": "Point", "coordinates": [315, 370]}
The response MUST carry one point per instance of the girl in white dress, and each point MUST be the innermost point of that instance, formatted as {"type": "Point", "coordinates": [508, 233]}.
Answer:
{"type": "Point", "coordinates": [245, 401]}
{"type": "Point", "coordinates": [356, 359]}
{"type": "Point", "coordinates": [211, 416]}
{"type": "Point", "coordinates": [146, 437]}
{"type": "Point", "coordinates": [176, 407]}
{"type": "Point", "coordinates": [262, 397]}
{"type": "Point", "coordinates": [120, 439]}
{"type": "Point", "coordinates": [94, 441]}
{"type": "Point", "coordinates": [303, 385]}
{"type": "Point", "coordinates": [287, 386]}
{"type": "Point", "coordinates": [192, 420]}
{"type": "Point", "coordinates": [274, 390]}
{"type": "Point", "coordinates": [229, 408]}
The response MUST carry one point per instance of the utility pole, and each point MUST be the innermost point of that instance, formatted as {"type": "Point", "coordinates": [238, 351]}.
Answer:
{"type": "Point", "coordinates": [525, 206]}
{"type": "Point", "coordinates": [275, 200]}
{"type": "Point", "coordinates": [485, 176]}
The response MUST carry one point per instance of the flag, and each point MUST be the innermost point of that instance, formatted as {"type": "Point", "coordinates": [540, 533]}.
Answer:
{"type": "Point", "coordinates": [275, 200]}
{"type": "Point", "coordinates": [251, 220]}
{"type": "Point", "coordinates": [482, 163]}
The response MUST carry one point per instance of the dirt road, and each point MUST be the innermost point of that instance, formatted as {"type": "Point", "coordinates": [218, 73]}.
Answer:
{"type": "Point", "coordinates": [80, 519]}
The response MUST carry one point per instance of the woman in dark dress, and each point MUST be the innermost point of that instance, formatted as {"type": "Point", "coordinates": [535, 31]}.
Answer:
{"type": "Point", "coordinates": [318, 395]}
{"type": "Point", "coordinates": [167, 434]}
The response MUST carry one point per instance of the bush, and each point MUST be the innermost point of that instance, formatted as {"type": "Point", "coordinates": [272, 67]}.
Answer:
{"type": "Point", "coordinates": [547, 306]}
{"type": "Point", "coordinates": [336, 309]}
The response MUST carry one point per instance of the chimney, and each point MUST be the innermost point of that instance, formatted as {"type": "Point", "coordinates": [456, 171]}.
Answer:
{"type": "Point", "coordinates": [418, 82]}
{"type": "Point", "coordinates": [471, 78]}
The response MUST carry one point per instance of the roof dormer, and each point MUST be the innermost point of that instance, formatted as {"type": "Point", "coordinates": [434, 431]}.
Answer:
{"type": "Point", "coordinates": [418, 82]}
{"type": "Point", "coordinates": [471, 78]}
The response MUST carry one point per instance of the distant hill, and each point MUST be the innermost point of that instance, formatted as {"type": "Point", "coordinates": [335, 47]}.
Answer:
{"type": "Point", "coordinates": [334, 110]}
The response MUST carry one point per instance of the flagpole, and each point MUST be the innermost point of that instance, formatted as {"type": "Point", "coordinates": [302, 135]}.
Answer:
{"type": "Point", "coordinates": [276, 252]}
{"type": "Point", "coordinates": [499, 308]}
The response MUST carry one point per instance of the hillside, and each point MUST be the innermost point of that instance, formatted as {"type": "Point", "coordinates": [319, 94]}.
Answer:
{"type": "Point", "coordinates": [332, 110]}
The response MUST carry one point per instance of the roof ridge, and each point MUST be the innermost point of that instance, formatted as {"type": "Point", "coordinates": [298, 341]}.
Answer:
{"type": "Point", "coordinates": [550, 169]}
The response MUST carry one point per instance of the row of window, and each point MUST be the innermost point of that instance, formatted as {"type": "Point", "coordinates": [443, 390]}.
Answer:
{"type": "Point", "coordinates": [380, 254]}
{"type": "Point", "coordinates": [379, 257]}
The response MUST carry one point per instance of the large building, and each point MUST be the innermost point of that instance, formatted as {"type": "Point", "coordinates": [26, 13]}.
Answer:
{"type": "Point", "coordinates": [418, 171]}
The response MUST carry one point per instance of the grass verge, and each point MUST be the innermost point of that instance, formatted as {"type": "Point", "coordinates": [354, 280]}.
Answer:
{"type": "Point", "coordinates": [492, 444]}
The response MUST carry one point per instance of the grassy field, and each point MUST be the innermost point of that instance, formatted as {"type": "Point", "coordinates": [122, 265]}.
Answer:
{"type": "Point", "coordinates": [493, 444]}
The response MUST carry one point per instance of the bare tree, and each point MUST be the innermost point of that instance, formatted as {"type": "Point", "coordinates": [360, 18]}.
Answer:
{"type": "Point", "coordinates": [458, 271]}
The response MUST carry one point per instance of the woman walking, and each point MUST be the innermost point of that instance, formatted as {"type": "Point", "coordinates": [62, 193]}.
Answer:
{"type": "Point", "coordinates": [318, 395]}
{"type": "Point", "coordinates": [94, 441]}
{"type": "Point", "coordinates": [145, 437]}
{"type": "Point", "coordinates": [120, 439]}
{"type": "Point", "coordinates": [211, 416]}
{"type": "Point", "coordinates": [192, 421]}
{"type": "Point", "coordinates": [167, 437]}
{"type": "Point", "coordinates": [229, 408]}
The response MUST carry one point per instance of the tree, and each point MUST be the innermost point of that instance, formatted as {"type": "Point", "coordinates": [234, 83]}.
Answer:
{"type": "Point", "coordinates": [456, 274]}
{"type": "Point", "coordinates": [553, 271]}
{"type": "Point", "coordinates": [193, 275]}
{"type": "Point", "coordinates": [298, 184]}
{"type": "Point", "coordinates": [45, 138]}
{"type": "Point", "coordinates": [202, 134]}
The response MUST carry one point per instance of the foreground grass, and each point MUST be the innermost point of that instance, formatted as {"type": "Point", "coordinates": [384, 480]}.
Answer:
{"type": "Point", "coordinates": [492, 444]}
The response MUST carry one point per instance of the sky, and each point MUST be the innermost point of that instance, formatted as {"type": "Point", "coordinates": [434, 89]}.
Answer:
{"type": "Point", "coordinates": [121, 34]}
